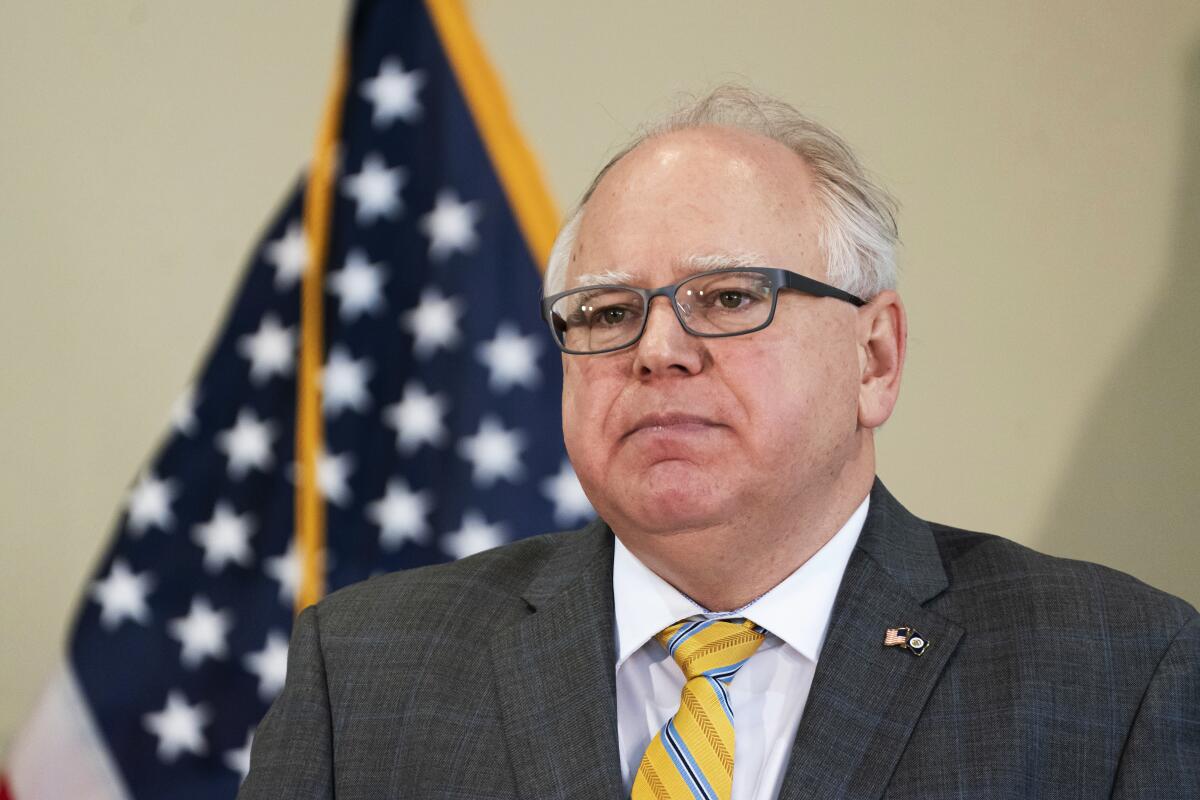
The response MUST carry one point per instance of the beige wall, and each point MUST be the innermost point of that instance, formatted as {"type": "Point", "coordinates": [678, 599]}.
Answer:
{"type": "Point", "coordinates": [1047, 157]}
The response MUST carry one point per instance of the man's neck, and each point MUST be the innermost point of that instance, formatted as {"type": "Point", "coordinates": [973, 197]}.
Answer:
{"type": "Point", "coordinates": [727, 566]}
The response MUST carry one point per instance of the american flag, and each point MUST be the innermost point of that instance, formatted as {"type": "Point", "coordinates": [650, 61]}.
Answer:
{"type": "Point", "coordinates": [440, 410]}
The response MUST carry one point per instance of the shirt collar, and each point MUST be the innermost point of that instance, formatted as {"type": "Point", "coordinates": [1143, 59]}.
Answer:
{"type": "Point", "coordinates": [644, 603]}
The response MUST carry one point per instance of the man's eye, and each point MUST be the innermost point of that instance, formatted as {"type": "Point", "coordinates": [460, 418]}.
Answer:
{"type": "Point", "coordinates": [732, 299]}
{"type": "Point", "coordinates": [610, 315]}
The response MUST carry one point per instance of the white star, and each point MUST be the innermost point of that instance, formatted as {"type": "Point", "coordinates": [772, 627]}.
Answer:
{"type": "Point", "coordinates": [150, 504]}
{"type": "Point", "coordinates": [376, 189]}
{"type": "Point", "coordinates": [239, 760]}
{"type": "Point", "coordinates": [563, 489]}
{"type": "Point", "coordinates": [474, 536]}
{"type": "Point", "coordinates": [332, 473]}
{"type": "Point", "coordinates": [433, 323]}
{"type": "Point", "coordinates": [248, 444]}
{"type": "Point", "coordinates": [285, 568]}
{"type": "Point", "coordinates": [511, 359]}
{"type": "Point", "coordinates": [183, 412]}
{"type": "Point", "coordinates": [271, 349]}
{"type": "Point", "coordinates": [289, 255]}
{"type": "Point", "coordinates": [393, 93]}
{"type": "Point", "coordinates": [344, 382]}
{"type": "Point", "coordinates": [400, 515]}
{"type": "Point", "coordinates": [417, 418]}
{"type": "Point", "coordinates": [178, 727]}
{"type": "Point", "coordinates": [202, 632]}
{"type": "Point", "coordinates": [122, 595]}
{"type": "Point", "coordinates": [225, 538]}
{"type": "Point", "coordinates": [270, 665]}
{"type": "Point", "coordinates": [493, 452]}
{"type": "Point", "coordinates": [451, 225]}
{"type": "Point", "coordinates": [358, 286]}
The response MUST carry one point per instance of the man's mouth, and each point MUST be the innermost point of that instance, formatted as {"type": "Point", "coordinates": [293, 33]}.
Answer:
{"type": "Point", "coordinates": [671, 422]}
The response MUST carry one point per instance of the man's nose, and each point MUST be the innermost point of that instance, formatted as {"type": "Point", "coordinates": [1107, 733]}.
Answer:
{"type": "Point", "coordinates": [665, 347]}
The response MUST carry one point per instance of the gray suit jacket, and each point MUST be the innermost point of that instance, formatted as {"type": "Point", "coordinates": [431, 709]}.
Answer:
{"type": "Point", "coordinates": [493, 678]}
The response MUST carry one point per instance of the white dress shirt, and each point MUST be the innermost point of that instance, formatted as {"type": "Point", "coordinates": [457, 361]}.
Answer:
{"type": "Point", "coordinates": [768, 693]}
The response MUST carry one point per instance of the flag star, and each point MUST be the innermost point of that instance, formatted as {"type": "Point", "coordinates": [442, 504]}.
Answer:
{"type": "Point", "coordinates": [358, 286]}
{"type": "Point", "coordinates": [183, 412]}
{"type": "Point", "coordinates": [417, 418]}
{"type": "Point", "coordinates": [564, 491]}
{"type": "Point", "coordinates": [475, 536]}
{"type": "Point", "coordinates": [400, 515]}
{"type": "Point", "coordinates": [450, 226]}
{"type": "Point", "coordinates": [393, 93]}
{"type": "Point", "coordinates": [202, 632]}
{"type": "Point", "coordinates": [344, 382]}
{"type": "Point", "coordinates": [225, 538]}
{"type": "Point", "coordinates": [511, 359]}
{"type": "Point", "coordinates": [376, 190]}
{"type": "Point", "coordinates": [332, 473]}
{"type": "Point", "coordinates": [493, 452]}
{"type": "Point", "coordinates": [239, 760]}
{"type": "Point", "coordinates": [269, 665]}
{"type": "Point", "coordinates": [285, 568]}
{"type": "Point", "coordinates": [289, 255]}
{"type": "Point", "coordinates": [179, 727]}
{"type": "Point", "coordinates": [271, 349]}
{"type": "Point", "coordinates": [122, 595]}
{"type": "Point", "coordinates": [247, 444]}
{"type": "Point", "coordinates": [433, 323]}
{"type": "Point", "coordinates": [150, 504]}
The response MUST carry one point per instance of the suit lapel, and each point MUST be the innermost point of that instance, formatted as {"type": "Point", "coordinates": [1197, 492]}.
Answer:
{"type": "Point", "coordinates": [554, 676]}
{"type": "Point", "coordinates": [866, 698]}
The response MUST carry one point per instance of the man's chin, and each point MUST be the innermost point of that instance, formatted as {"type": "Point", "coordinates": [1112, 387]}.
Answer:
{"type": "Point", "coordinates": [665, 507]}
{"type": "Point", "coordinates": [666, 495]}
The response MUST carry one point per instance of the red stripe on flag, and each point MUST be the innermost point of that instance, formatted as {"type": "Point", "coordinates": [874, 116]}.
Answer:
{"type": "Point", "coordinates": [5, 792]}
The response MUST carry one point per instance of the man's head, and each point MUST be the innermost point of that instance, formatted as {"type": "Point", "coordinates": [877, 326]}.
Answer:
{"type": "Point", "coordinates": [681, 433]}
{"type": "Point", "coordinates": [857, 225]}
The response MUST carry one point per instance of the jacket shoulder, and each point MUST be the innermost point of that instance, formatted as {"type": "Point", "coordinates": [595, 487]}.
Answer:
{"type": "Point", "coordinates": [477, 590]}
{"type": "Point", "coordinates": [997, 579]}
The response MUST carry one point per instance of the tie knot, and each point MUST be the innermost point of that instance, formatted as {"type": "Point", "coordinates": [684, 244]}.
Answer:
{"type": "Point", "coordinates": [716, 648]}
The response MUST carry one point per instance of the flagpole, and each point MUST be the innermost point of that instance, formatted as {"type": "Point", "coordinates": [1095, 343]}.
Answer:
{"type": "Point", "coordinates": [318, 201]}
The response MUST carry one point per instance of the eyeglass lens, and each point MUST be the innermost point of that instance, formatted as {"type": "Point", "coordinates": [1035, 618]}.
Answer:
{"type": "Point", "coordinates": [593, 319]}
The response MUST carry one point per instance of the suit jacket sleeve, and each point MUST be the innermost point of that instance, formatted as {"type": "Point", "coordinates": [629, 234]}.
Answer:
{"type": "Point", "coordinates": [1161, 758]}
{"type": "Point", "coordinates": [292, 756]}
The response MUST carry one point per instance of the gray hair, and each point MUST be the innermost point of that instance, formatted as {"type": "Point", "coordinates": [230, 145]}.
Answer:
{"type": "Point", "coordinates": [858, 234]}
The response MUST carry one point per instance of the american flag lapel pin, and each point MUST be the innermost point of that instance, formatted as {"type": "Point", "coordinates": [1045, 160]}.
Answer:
{"type": "Point", "coordinates": [907, 638]}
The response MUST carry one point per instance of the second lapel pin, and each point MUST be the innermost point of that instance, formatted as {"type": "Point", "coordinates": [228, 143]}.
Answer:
{"type": "Point", "coordinates": [905, 637]}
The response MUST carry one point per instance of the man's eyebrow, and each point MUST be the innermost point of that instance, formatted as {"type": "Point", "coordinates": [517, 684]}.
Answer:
{"type": "Point", "coordinates": [702, 262]}
{"type": "Point", "coordinates": [602, 278]}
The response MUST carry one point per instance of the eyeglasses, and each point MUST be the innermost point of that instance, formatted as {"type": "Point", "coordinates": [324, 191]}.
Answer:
{"type": "Point", "coordinates": [723, 302]}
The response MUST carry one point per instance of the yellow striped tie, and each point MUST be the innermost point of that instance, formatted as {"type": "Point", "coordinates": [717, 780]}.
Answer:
{"type": "Point", "coordinates": [692, 756]}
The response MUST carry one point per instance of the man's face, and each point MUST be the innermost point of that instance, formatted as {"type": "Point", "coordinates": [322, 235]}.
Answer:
{"type": "Point", "coordinates": [686, 432]}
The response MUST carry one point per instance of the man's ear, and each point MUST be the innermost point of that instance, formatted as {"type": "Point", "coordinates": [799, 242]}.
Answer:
{"type": "Point", "coordinates": [882, 339]}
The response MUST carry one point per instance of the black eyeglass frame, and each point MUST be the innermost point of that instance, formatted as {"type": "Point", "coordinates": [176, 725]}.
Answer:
{"type": "Point", "coordinates": [780, 279]}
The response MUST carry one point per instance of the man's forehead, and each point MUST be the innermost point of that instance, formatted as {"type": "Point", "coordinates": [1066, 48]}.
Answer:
{"type": "Point", "coordinates": [679, 269]}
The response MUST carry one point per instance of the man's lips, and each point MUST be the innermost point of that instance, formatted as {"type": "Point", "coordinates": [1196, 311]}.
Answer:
{"type": "Point", "coordinates": [668, 423]}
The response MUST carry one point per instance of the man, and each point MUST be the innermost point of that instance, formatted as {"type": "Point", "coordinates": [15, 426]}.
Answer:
{"type": "Point", "coordinates": [748, 565]}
